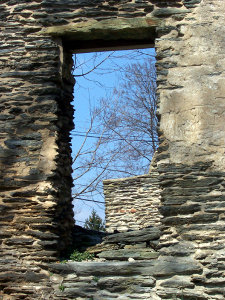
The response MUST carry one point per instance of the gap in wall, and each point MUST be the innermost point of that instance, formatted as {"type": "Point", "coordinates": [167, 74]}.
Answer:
{"type": "Point", "coordinates": [97, 94]}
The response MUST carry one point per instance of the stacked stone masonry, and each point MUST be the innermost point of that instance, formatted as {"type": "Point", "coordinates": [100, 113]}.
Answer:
{"type": "Point", "coordinates": [132, 203]}
{"type": "Point", "coordinates": [37, 41]}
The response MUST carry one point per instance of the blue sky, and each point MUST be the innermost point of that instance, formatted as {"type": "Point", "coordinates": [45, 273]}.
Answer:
{"type": "Point", "coordinates": [88, 90]}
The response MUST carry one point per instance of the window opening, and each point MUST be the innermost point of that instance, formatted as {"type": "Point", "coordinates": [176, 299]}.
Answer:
{"type": "Point", "coordinates": [115, 122]}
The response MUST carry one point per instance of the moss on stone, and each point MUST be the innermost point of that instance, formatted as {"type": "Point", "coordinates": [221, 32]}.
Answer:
{"type": "Point", "coordinates": [138, 28]}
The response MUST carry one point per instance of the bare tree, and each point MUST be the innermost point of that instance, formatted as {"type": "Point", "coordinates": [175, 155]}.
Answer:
{"type": "Point", "coordinates": [91, 159]}
{"type": "Point", "coordinates": [123, 126]}
{"type": "Point", "coordinates": [129, 116]}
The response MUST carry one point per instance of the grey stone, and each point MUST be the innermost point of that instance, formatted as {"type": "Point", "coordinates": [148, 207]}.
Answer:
{"type": "Point", "coordinates": [107, 29]}
{"type": "Point", "coordinates": [180, 249]}
{"type": "Point", "coordinates": [177, 200]}
{"type": "Point", "coordinates": [120, 284]}
{"type": "Point", "coordinates": [44, 108]}
{"type": "Point", "coordinates": [6, 117]}
{"type": "Point", "coordinates": [191, 3]}
{"type": "Point", "coordinates": [143, 235]}
{"type": "Point", "coordinates": [83, 291]}
{"type": "Point", "coordinates": [32, 136]}
{"type": "Point", "coordinates": [124, 254]}
{"type": "Point", "coordinates": [163, 266]}
{"type": "Point", "coordinates": [60, 268]}
{"type": "Point", "coordinates": [198, 182]}
{"type": "Point", "coordinates": [178, 281]}
{"type": "Point", "coordinates": [48, 243]}
{"type": "Point", "coordinates": [42, 235]}
{"type": "Point", "coordinates": [182, 210]}
{"type": "Point", "coordinates": [186, 191]}
{"type": "Point", "coordinates": [19, 240]}
{"type": "Point", "coordinates": [12, 183]}
{"type": "Point", "coordinates": [34, 219]}
{"type": "Point", "coordinates": [215, 207]}
{"type": "Point", "coordinates": [14, 143]}
{"type": "Point", "coordinates": [15, 200]}
{"type": "Point", "coordinates": [7, 218]}
{"type": "Point", "coordinates": [44, 253]}
{"type": "Point", "coordinates": [15, 110]}
{"type": "Point", "coordinates": [200, 218]}
{"type": "Point", "coordinates": [102, 247]}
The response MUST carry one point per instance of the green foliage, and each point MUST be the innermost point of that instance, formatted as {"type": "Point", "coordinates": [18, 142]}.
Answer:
{"type": "Point", "coordinates": [64, 261]}
{"type": "Point", "coordinates": [62, 288]}
{"type": "Point", "coordinates": [96, 279]}
{"type": "Point", "coordinates": [79, 256]}
{"type": "Point", "coordinates": [94, 222]}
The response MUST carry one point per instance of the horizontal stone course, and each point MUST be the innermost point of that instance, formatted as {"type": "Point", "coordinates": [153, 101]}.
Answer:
{"type": "Point", "coordinates": [164, 266]}
{"type": "Point", "coordinates": [143, 235]}
{"type": "Point", "coordinates": [125, 254]}
{"type": "Point", "coordinates": [132, 203]}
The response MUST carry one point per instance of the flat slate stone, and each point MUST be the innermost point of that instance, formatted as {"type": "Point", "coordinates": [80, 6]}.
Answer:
{"type": "Point", "coordinates": [137, 236]}
{"type": "Point", "coordinates": [180, 249]}
{"type": "Point", "coordinates": [124, 254]}
{"type": "Point", "coordinates": [163, 266]}
{"type": "Point", "coordinates": [135, 28]}
{"type": "Point", "coordinates": [121, 284]}
{"type": "Point", "coordinates": [60, 268]}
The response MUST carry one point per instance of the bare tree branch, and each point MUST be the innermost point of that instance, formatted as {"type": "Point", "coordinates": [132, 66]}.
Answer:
{"type": "Point", "coordinates": [95, 67]}
{"type": "Point", "coordinates": [123, 128]}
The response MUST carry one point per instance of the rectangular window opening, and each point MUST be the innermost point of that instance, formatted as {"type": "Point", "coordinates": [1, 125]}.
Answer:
{"type": "Point", "coordinates": [115, 133]}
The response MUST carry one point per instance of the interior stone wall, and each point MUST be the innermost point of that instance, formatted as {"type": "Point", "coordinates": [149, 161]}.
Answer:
{"type": "Point", "coordinates": [132, 203]}
{"type": "Point", "coordinates": [37, 41]}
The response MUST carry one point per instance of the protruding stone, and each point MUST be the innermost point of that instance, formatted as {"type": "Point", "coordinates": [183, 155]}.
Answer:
{"type": "Point", "coordinates": [124, 254]}
{"type": "Point", "coordinates": [137, 236]}
{"type": "Point", "coordinates": [164, 12]}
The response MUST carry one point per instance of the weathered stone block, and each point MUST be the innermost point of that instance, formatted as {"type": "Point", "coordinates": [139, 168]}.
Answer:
{"type": "Point", "coordinates": [200, 218]}
{"type": "Point", "coordinates": [125, 254]}
{"type": "Point", "coordinates": [179, 249]}
{"type": "Point", "coordinates": [177, 281]}
{"type": "Point", "coordinates": [160, 267]}
{"type": "Point", "coordinates": [143, 235]}
{"type": "Point", "coordinates": [162, 12]}
{"type": "Point", "coordinates": [181, 209]}
{"type": "Point", "coordinates": [19, 241]}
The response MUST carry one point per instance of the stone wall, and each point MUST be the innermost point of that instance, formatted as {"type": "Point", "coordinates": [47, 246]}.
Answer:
{"type": "Point", "coordinates": [137, 265]}
{"type": "Point", "coordinates": [191, 151]}
{"type": "Point", "coordinates": [190, 63]}
{"type": "Point", "coordinates": [37, 42]}
{"type": "Point", "coordinates": [35, 163]}
{"type": "Point", "coordinates": [132, 203]}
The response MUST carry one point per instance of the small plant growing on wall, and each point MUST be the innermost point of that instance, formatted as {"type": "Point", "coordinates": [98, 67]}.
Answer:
{"type": "Point", "coordinates": [79, 256]}
{"type": "Point", "coordinates": [62, 288]}
{"type": "Point", "coordinates": [96, 279]}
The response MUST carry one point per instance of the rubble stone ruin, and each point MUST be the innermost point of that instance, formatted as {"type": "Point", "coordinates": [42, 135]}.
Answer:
{"type": "Point", "coordinates": [182, 256]}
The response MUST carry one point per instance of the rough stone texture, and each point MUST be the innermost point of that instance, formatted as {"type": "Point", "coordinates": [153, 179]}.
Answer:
{"type": "Point", "coordinates": [144, 235]}
{"type": "Point", "coordinates": [113, 29]}
{"type": "Point", "coordinates": [132, 203]}
{"type": "Point", "coordinates": [35, 156]}
{"type": "Point", "coordinates": [115, 280]}
{"type": "Point", "coordinates": [192, 91]}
